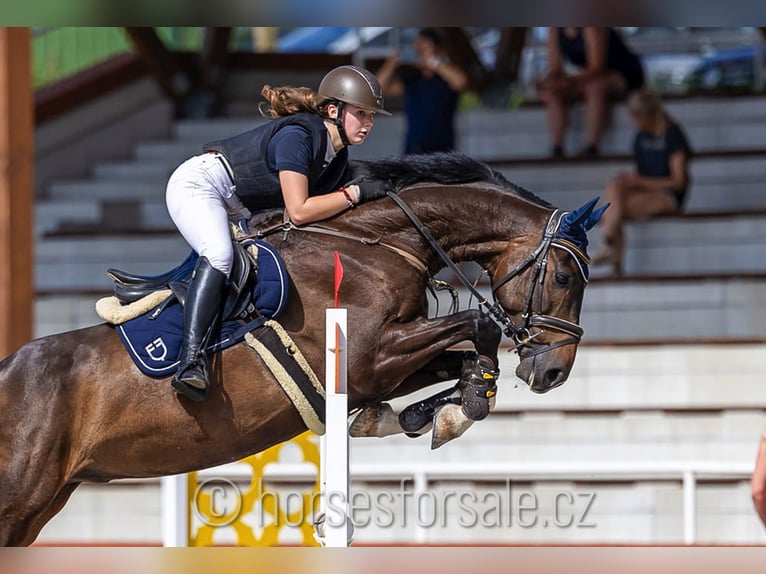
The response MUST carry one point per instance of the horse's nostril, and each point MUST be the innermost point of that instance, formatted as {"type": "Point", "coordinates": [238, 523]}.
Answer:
{"type": "Point", "coordinates": [553, 377]}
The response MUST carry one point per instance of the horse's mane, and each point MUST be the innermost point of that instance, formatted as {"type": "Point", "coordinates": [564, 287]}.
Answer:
{"type": "Point", "coordinates": [442, 168]}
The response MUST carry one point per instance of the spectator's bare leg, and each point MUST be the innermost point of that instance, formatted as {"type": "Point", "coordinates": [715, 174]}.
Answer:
{"type": "Point", "coordinates": [597, 92]}
{"type": "Point", "coordinates": [611, 225]}
{"type": "Point", "coordinates": [758, 481]}
{"type": "Point", "coordinates": [556, 105]}
{"type": "Point", "coordinates": [611, 221]}
{"type": "Point", "coordinates": [629, 202]}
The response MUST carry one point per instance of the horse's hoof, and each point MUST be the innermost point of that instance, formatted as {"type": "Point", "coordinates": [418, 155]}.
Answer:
{"type": "Point", "coordinates": [449, 424]}
{"type": "Point", "coordinates": [192, 393]}
{"type": "Point", "coordinates": [375, 421]}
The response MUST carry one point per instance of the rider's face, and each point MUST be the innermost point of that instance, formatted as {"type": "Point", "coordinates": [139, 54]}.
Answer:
{"type": "Point", "coordinates": [358, 123]}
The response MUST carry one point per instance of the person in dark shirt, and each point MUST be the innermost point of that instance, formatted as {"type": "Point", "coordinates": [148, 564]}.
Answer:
{"type": "Point", "coordinates": [660, 182]}
{"type": "Point", "coordinates": [297, 161]}
{"type": "Point", "coordinates": [607, 69]}
{"type": "Point", "coordinates": [430, 90]}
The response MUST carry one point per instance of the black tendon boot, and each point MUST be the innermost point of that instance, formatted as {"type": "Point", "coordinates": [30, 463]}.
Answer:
{"type": "Point", "coordinates": [478, 384]}
{"type": "Point", "coordinates": [201, 309]}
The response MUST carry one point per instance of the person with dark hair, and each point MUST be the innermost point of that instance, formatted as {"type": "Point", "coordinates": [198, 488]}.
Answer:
{"type": "Point", "coordinates": [660, 182]}
{"type": "Point", "coordinates": [298, 161]}
{"type": "Point", "coordinates": [607, 69]}
{"type": "Point", "coordinates": [430, 88]}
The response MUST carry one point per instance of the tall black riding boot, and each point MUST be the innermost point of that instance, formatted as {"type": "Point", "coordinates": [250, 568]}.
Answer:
{"type": "Point", "coordinates": [201, 309]}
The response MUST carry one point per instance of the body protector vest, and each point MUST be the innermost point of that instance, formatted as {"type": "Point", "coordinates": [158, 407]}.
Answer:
{"type": "Point", "coordinates": [257, 185]}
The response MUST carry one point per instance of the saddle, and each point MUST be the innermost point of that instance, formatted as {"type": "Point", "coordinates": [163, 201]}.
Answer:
{"type": "Point", "coordinates": [238, 304]}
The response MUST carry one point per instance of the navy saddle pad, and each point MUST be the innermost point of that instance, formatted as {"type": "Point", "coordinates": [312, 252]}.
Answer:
{"type": "Point", "coordinates": [153, 340]}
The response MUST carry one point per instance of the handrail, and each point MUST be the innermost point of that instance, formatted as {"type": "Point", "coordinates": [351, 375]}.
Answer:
{"type": "Point", "coordinates": [688, 472]}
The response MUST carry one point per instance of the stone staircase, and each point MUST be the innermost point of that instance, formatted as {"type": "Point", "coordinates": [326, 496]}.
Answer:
{"type": "Point", "coordinates": [670, 368]}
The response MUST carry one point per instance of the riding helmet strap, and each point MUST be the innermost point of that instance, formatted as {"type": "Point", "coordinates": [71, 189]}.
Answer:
{"type": "Point", "coordinates": [339, 124]}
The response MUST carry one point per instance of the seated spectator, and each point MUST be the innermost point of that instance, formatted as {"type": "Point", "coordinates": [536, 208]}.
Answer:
{"type": "Point", "coordinates": [430, 88]}
{"type": "Point", "coordinates": [659, 184]}
{"type": "Point", "coordinates": [607, 69]}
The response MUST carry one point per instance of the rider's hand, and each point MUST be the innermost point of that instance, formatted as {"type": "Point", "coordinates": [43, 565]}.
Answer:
{"type": "Point", "coordinates": [372, 189]}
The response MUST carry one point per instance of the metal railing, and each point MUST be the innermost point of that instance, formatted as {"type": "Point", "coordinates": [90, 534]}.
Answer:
{"type": "Point", "coordinates": [688, 473]}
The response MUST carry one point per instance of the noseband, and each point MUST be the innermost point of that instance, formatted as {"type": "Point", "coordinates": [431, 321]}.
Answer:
{"type": "Point", "coordinates": [531, 318]}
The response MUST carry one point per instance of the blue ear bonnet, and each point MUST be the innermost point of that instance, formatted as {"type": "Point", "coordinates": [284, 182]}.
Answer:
{"type": "Point", "coordinates": [574, 230]}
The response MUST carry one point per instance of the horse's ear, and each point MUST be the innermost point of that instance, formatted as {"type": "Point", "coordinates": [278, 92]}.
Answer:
{"type": "Point", "coordinates": [595, 216]}
{"type": "Point", "coordinates": [579, 215]}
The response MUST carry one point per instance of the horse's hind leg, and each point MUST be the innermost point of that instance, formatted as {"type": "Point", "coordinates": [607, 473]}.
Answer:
{"type": "Point", "coordinates": [49, 512]}
{"type": "Point", "coordinates": [27, 507]}
{"type": "Point", "coordinates": [33, 487]}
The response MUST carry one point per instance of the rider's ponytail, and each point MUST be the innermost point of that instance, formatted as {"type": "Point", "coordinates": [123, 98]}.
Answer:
{"type": "Point", "coordinates": [288, 100]}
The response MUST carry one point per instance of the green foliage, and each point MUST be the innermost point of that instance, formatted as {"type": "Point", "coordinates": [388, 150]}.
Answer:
{"type": "Point", "coordinates": [61, 52]}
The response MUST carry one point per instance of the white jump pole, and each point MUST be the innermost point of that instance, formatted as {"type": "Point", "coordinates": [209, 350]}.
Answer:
{"type": "Point", "coordinates": [175, 511]}
{"type": "Point", "coordinates": [334, 444]}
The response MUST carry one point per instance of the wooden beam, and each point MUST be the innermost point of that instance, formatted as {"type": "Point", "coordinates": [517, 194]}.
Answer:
{"type": "Point", "coordinates": [161, 62]}
{"type": "Point", "coordinates": [462, 54]}
{"type": "Point", "coordinates": [214, 57]}
{"type": "Point", "coordinates": [508, 53]}
{"type": "Point", "coordinates": [16, 190]}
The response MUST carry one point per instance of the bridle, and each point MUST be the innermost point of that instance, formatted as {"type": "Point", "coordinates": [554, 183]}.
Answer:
{"type": "Point", "coordinates": [532, 317]}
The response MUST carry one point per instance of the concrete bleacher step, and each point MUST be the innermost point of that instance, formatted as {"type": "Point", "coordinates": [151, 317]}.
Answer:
{"type": "Point", "coordinates": [717, 183]}
{"type": "Point", "coordinates": [97, 190]}
{"type": "Point", "coordinates": [695, 307]}
{"type": "Point", "coordinates": [705, 308]}
{"type": "Point", "coordinates": [58, 215]}
{"type": "Point", "coordinates": [489, 134]}
{"type": "Point", "coordinates": [633, 437]}
{"type": "Point", "coordinates": [154, 172]}
{"type": "Point", "coordinates": [657, 376]}
{"type": "Point", "coordinates": [72, 263]}
{"type": "Point", "coordinates": [715, 244]}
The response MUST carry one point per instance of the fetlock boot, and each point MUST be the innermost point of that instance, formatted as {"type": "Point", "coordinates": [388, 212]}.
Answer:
{"type": "Point", "coordinates": [201, 310]}
{"type": "Point", "coordinates": [478, 384]}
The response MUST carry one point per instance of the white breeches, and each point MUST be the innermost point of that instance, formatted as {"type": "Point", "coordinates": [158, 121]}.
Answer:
{"type": "Point", "coordinates": [201, 201]}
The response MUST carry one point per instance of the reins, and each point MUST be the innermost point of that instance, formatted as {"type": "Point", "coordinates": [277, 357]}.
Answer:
{"type": "Point", "coordinates": [521, 335]}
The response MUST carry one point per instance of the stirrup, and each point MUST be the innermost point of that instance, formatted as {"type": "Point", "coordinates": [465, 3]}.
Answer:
{"type": "Point", "coordinates": [478, 384]}
{"type": "Point", "coordinates": [187, 387]}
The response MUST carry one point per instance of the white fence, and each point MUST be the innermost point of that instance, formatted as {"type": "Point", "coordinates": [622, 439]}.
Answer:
{"type": "Point", "coordinates": [686, 472]}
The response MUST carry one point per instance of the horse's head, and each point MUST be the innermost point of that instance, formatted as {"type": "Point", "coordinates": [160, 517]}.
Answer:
{"type": "Point", "coordinates": [542, 293]}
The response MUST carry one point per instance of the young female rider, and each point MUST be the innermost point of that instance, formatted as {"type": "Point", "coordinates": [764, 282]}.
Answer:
{"type": "Point", "coordinates": [297, 161]}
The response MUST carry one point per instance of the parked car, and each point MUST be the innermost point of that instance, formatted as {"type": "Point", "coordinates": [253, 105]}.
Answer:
{"type": "Point", "coordinates": [728, 69]}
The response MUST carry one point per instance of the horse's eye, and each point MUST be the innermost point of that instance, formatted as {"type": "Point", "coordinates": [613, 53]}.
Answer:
{"type": "Point", "coordinates": [562, 279]}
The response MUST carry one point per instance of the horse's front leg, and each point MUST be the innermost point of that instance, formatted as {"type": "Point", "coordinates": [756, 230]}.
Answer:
{"type": "Point", "coordinates": [380, 420]}
{"type": "Point", "coordinates": [407, 346]}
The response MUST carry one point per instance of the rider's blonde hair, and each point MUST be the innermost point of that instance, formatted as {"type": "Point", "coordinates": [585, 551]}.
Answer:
{"type": "Point", "coordinates": [288, 100]}
{"type": "Point", "coordinates": [648, 103]}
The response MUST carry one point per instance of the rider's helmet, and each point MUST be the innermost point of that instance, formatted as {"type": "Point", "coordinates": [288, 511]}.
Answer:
{"type": "Point", "coordinates": [351, 85]}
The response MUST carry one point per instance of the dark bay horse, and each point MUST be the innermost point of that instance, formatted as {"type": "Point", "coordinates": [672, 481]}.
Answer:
{"type": "Point", "coordinates": [75, 409]}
